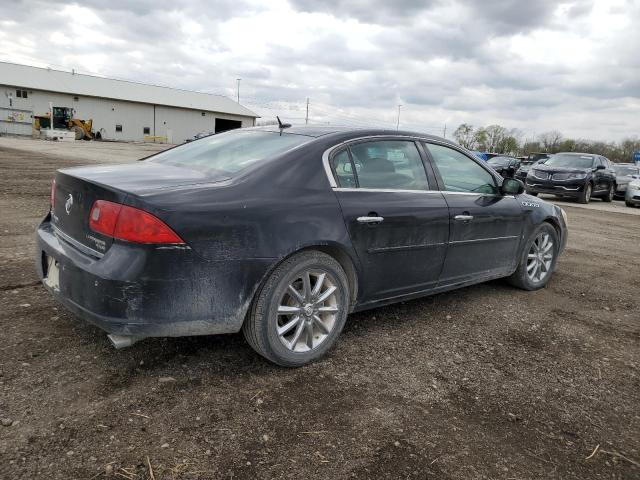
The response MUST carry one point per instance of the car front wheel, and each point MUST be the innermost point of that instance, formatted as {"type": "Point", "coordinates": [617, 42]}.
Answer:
{"type": "Point", "coordinates": [585, 196]}
{"type": "Point", "coordinates": [538, 259]}
{"type": "Point", "coordinates": [300, 310]}
{"type": "Point", "coordinates": [609, 195]}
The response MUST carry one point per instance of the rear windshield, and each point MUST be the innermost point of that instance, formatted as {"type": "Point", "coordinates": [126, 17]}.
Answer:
{"type": "Point", "coordinates": [571, 161]}
{"type": "Point", "coordinates": [229, 152]}
{"type": "Point", "coordinates": [626, 170]}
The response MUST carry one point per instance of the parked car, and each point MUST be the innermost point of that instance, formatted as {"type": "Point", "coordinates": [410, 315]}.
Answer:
{"type": "Point", "coordinates": [198, 136]}
{"type": "Point", "coordinates": [538, 156]}
{"type": "Point", "coordinates": [527, 162]}
{"type": "Point", "coordinates": [278, 233]}
{"type": "Point", "coordinates": [480, 155]}
{"type": "Point", "coordinates": [624, 174]}
{"type": "Point", "coordinates": [504, 165]}
{"type": "Point", "coordinates": [575, 175]}
{"type": "Point", "coordinates": [521, 173]}
{"type": "Point", "coordinates": [632, 194]}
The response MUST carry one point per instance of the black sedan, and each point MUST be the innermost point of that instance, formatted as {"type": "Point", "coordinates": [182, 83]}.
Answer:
{"type": "Point", "coordinates": [504, 165]}
{"type": "Point", "coordinates": [283, 232]}
{"type": "Point", "coordinates": [574, 175]}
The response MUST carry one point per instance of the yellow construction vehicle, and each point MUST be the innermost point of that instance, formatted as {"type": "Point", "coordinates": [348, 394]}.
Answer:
{"type": "Point", "coordinates": [63, 119]}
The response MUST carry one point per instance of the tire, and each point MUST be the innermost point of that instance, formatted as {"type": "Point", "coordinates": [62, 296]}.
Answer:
{"type": "Point", "coordinates": [609, 195]}
{"type": "Point", "coordinates": [522, 277]}
{"type": "Point", "coordinates": [79, 132]}
{"type": "Point", "coordinates": [533, 194]}
{"type": "Point", "coordinates": [629, 204]}
{"type": "Point", "coordinates": [305, 341]}
{"type": "Point", "coordinates": [585, 196]}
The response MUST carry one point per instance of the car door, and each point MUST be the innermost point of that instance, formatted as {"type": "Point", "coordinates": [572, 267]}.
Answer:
{"type": "Point", "coordinates": [599, 175]}
{"type": "Point", "coordinates": [397, 219]}
{"type": "Point", "coordinates": [486, 226]}
{"type": "Point", "coordinates": [611, 172]}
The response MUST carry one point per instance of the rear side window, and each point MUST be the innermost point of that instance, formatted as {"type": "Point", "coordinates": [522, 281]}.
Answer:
{"type": "Point", "coordinates": [345, 176]}
{"type": "Point", "coordinates": [231, 151]}
{"type": "Point", "coordinates": [389, 164]}
{"type": "Point", "coordinates": [459, 173]}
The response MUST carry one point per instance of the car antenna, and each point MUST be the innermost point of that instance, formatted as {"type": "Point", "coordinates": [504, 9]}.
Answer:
{"type": "Point", "coordinates": [281, 125]}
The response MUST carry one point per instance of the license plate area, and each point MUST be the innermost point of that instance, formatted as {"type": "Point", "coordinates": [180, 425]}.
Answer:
{"type": "Point", "coordinates": [51, 272]}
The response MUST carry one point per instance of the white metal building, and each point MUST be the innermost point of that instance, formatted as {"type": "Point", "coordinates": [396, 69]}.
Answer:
{"type": "Point", "coordinates": [121, 110]}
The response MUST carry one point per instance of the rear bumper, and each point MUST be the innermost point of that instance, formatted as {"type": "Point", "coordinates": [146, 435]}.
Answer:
{"type": "Point", "coordinates": [149, 291]}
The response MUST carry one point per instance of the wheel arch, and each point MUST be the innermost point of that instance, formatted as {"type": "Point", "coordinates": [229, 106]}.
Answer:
{"type": "Point", "coordinates": [336, 251]}
{"type": "Point", "coordinates": [555, 224]}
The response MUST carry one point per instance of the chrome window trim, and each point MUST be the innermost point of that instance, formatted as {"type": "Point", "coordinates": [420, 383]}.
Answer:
{"type": "Point", "coordinates": [83, 248]}
{"type": "Point", "coordinates": [326, 156]}
{"type": "Point", "coordinates": [443, 192]}
{"type": "Point", "coordinates": [382, 190]}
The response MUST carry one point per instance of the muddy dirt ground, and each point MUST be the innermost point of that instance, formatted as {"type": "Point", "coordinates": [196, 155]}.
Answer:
{"type": "Point", "coordinates": [486, 382]}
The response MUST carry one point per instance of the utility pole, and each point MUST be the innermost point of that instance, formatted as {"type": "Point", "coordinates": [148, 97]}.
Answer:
{"type": "Point", "coordinates": [398, 123]}
{"type": "Point", "coordinates": [238, 80]}
{"type": "Point", "coordinates": [306, 118]}
{"type": "Point", "coordinates": [444, 133]}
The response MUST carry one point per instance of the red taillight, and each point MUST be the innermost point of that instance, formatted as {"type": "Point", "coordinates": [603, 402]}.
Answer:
{"type": "Point", "coordinates": [53, 194]}
{"type": "Point", "coordinates": [129, 223]}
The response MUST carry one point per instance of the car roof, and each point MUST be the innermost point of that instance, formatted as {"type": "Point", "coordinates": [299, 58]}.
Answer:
{"type": "Point", "coordinates": [315, 131]}
{"type": "Point", "coordinates": [576, 154]}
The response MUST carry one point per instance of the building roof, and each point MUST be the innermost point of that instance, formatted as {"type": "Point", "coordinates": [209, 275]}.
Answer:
{"type": "Point", "coordinates": [36, 78]}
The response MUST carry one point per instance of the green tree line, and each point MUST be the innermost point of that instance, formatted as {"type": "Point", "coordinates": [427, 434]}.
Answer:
{"type": "Point", "coordinates": [499, 139]}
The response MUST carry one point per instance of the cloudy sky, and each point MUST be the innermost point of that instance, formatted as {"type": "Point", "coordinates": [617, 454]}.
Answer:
{"type": "Point", "coordinates": [534, 65]}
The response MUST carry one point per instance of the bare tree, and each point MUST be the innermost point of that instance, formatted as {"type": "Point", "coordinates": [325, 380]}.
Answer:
{"type": "Point", "coordinates": [464, 135]}
{"type": "Point", "coordinates": [495, 135]}
{"type": "Point", "coordinates": [550, 141]}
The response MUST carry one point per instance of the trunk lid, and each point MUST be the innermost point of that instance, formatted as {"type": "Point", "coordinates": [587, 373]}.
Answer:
{"type": "Point", "coordinates": [78, 188]}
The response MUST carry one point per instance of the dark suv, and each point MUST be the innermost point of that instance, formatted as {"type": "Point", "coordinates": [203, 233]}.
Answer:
{"type": "Point", "coordinates": [575, 175]}
{"type": "Point", "coordinates": [528, 162]}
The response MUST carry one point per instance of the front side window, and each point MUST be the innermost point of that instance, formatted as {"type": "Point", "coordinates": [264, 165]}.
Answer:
{"type": "Point", "coordinates": [459, 173]}
{"type": "Point", "coordinates": [389, 165]}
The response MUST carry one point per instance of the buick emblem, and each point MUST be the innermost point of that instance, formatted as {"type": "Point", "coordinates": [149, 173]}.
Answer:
{"type": "Point", "coordinates": [68, 204]}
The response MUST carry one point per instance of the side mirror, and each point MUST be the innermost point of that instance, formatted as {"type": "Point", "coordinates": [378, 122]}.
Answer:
{"type": "Point", "coordinates": [512, 186]}
{"type": "Point", "coordinates": [600, 167]}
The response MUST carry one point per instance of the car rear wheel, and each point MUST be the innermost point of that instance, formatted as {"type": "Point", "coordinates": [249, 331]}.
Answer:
{"type": "Point", "coordinates": [300, 310]}
{"type": "Point", "coordinates": [609, 195]}
{"type": "Point", "coordinates": [538, 259]}
{"type": "Point", "coordinates": [585, 196]}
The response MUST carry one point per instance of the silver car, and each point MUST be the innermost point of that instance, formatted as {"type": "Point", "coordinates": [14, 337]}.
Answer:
{"type": "Point", "coordinates": [624, 174]}
{"type": "Point", "coordinates": [632, 195]}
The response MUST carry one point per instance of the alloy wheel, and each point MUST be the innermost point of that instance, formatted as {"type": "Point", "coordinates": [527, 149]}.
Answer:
{"type": "Point", "coordinates": [307, 311]}
{"type": "Point", "coordinates": [587, 194]}
{"type": "Point", "coordinates": [540, 257]}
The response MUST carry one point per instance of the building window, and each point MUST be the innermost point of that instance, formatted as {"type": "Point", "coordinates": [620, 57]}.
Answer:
{"type": "Point", "coordinates": [203, 114]}
{"type": "Point", "coordinates": [146, 130]}
{"type": "Point", "coordinates": [75, 99]}
{"type": "Point", "coordinates": [18, 93]}
{"type": "Point", "coordinates": [118, 128]}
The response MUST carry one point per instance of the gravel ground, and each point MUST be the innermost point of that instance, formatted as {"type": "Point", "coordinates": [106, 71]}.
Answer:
{"type": "Point", "coordinates": [487, 382]}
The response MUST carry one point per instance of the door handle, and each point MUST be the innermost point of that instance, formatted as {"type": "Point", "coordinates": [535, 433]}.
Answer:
{"type": "Point", "coordinates": [463, 218]}
{"type": "Point", "coordinates": [370, 219]}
